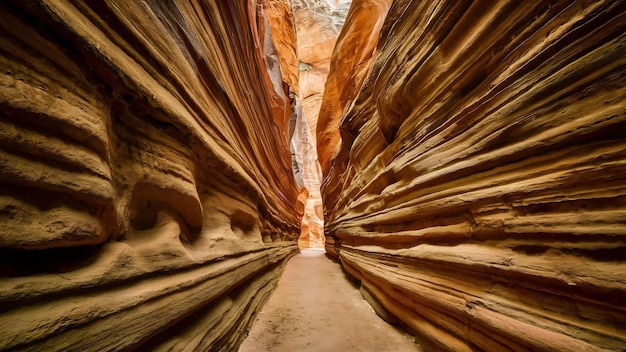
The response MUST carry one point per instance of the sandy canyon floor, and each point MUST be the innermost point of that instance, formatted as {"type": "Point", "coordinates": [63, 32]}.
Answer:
{"type": "Point", "coordinates": [316, 308]}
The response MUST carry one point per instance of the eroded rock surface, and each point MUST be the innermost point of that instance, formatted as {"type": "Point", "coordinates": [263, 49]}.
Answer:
{"type": "Point", "coordinates": [317, 23]}
{"type": "Point", "coordinates": [147, 199]}
{"type": "Point", "coordinates": [479, 191]}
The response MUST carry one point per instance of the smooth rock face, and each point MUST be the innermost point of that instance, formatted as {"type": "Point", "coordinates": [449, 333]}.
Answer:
{"type": "Point", "coordinates": [352, 61]}
{"type": "Point", "coordinates": [147, 199]}
{"type": "Point", "coordinates": [479, 191]}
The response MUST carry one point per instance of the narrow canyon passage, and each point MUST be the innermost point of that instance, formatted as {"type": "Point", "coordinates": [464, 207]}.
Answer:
{"type": "Point", "coordinates": [161, 163]}
{"type": "Point", "coordinates": [315, 308]}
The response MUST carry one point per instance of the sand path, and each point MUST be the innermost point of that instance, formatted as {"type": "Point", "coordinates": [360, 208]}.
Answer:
{"type": "Point", "coordinates": [315, 308]}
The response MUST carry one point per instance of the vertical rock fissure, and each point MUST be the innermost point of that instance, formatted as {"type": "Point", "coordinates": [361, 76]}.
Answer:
{"type": "Point", "coordinates": [317, 25]}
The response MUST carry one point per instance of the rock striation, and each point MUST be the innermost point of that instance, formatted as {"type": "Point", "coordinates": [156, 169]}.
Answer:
{"type": "Point", "coordinates": [147, 199]}
{"type": "Point", "coordinates": [478, 192]}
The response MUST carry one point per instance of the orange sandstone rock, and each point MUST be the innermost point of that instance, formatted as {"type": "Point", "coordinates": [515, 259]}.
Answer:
{"type": "Point", "coordinates": [351, 64]}
{"type": "Point", "coordinates": [147, 199]}
{"type": "Point", "coordinates": [479, 190]}
{"type": "Point", "coordinates": [280, 19]}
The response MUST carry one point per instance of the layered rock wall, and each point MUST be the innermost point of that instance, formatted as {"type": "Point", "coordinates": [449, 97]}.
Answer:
{"type": "Point", "coordinates": [479, 190]}
{"type": "Point", "coordinates": [147, 199]}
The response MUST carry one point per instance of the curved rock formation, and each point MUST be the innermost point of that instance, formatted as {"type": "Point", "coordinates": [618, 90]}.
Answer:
{"type": "Point", "coordinates": [280, 20]}
{"type": "Point", "coordinates": [479, 192]}
{"type": "Point", "coordinates": [351, 63]}
{"type": "Point", "coordinates": [147, 198]}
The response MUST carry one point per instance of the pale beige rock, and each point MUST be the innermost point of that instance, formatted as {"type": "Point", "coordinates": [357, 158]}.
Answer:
{"type": "Point", "coordinates": [478, 190]}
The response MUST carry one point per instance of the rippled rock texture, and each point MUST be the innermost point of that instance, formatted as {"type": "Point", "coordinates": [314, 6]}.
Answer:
{"type": "Point", "coordinates": [479, 190]}
{"type": "Point", "coordinates": [147, 199]}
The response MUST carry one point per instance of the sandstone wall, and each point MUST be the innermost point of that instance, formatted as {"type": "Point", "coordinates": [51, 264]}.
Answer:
{"type": "Point", "coordinates": [147, 199]}
{"type": "Point", "coordinates": [351, 63]}
{"type": "Point", "coordinates": [479, 191]}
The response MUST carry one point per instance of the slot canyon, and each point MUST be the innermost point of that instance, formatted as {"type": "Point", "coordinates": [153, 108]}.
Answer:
{"type": "Point", "coordinates": [462, 161]}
